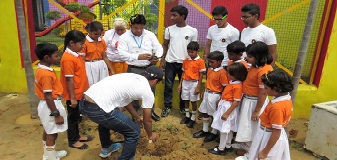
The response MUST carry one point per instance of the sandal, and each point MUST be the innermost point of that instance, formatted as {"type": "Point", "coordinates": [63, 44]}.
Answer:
{"type": "Point", "coordinates": [84, 146]}
{"type": "Point", "coordinates": [89, 138]}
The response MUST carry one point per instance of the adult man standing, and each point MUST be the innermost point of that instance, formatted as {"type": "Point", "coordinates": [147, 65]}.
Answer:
{"type": "Point", "coordinates": [256, 31]}
{"type": "Point", "coordinates": [140, 48]}
{"type": "Point", "coordinates": [101, 103]}
{"type": "Point", "coordinates": [177, 37]}
{"type": "Point", "coordinates": [221, 34]}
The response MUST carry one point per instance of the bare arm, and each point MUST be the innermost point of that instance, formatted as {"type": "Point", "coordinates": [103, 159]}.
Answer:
{"type": "Point", "coordinates": [260, 101]}
{"type": "Point", "coordinates": [165, 48]}
{"type": "Point", "coordinates": [107, 62]}
{"type": "Point", "coordinates": [51, 105]}
{"type": "Point", "coordinates": [181, 82]}
{"type": "Point", "coordinates": [230, 109]}
{"type": "Point", "coordinates": [71, 90]}
{"type": "Point", "coordinates": [275, 135]}
{"type": "Point", "coordinates": [197, 89]}
{"type": "Point", "coordinates": [133, 112]}
{"type": "Point", "coordinates": [148, 124]}
{"type": "Point", "coordinates": [272, 50]}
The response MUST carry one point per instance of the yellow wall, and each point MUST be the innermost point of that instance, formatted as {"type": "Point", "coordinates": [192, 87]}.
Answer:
{"type": "Point", "coordinates": [11, 73]}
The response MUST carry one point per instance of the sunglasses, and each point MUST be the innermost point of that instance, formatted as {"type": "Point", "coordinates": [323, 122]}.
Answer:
{"type": "Point", "coordinates": [220, 19]}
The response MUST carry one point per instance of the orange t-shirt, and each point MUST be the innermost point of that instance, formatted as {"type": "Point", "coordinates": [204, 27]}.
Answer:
{"type": "Point", "coordinates": [240, 60]}
{"type": "Point", "coordinates": [72, 65]}
{"type": "Point", "coordinates": [277, 113]}
{"type": "Point", "coordinates": [216, 79]}
{"type": "Point", "coordinates": [192, 68]}
{"type": "Point", "coordinates": [233, 91]}
{"type": "Point", "coordinates": [253, 81]}
{"type": "Point", "coordinates": [47, 81]}
{"type": "Point", "coordinates": [94, 50]}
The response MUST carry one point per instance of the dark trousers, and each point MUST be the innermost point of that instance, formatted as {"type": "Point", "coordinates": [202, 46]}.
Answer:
{"type": "Point", "coordinates": [171, 70]}
{"type": "Point", "coordinates": [73, 121]}
{"type": "Point", "coordinates": [139, 70]}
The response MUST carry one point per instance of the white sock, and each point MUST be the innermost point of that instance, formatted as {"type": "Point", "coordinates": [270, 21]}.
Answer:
{"type": "Point", "coordinates": [193, 115]}
{"type": "Point", "coordinates": [214, 131]}
{"type": "Point", "coordinates": [223, 140]}
{"type": "Point", "coordinates": [205, 124]}
{"type": "Point", "coordinates": [229, 140]}
{"type": "Point", "coordinates": [50, 153]}
{"type": "Point", "coordinates": [187, 112]}
{"type": "Point", "coordinates": [44, 147]}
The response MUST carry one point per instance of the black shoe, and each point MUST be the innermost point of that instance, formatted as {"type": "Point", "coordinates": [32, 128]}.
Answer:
{"type": "Point", "coordinates": [200, 116]}
{"type": "Point", "coordinates": [190, 124]}
{"type": "Point", "coordinates": [200, 134]}
{"type": "Point", "coordinates": [185, 120]}
{"type": "Point", "coordinates": [210, 137]}
{"type": "Point", "coordinates": [166, 111]}
{"type": "Point", "coordinates": [217, 151]}
{"type": "Point", "coordinates": [155, 117]}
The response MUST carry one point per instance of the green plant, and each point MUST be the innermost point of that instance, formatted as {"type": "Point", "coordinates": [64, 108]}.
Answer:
{"type": "Point", "coordinates": [53, 15]}
{"type": "Point", "coordinates": [57, 31]}
{"type": "Point", "coordinates": [84, 8]}
{"type": "Point", "coordinates": [72, 7]}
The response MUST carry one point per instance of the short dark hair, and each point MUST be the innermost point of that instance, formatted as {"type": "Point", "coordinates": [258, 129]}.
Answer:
{"type": "Point", "coordinates": [75, 36]}
{"type": "Point", "coordinates": [216, 55]}
{"type": "Point", "coordinates": [236, 47]}
{"type": "Point", "coordinates": [278, 80]}
{"type": "Point", "coordinates": [94, 26]}
{"type": "Point", "coordinates": [260, 52]}
{"type": "Point", "coordinates": [44, 48]}
{"type": "Point", "coordinates": [138, 19]}
{"type": "Point", "coordinates": [252, 9]}
{"type": "Point", "coordinates": [182, 10]}
{"type": "Point", "coordinates": [238, 71]}
{"type": "Point", "coordinates": [219, 10]}
{"type": "Point", "coordinates": [193, 45]}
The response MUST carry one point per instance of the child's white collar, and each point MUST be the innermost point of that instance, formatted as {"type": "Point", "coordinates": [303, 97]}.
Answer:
{"type": "Point", "coordinates": [71, 52]}
{"type": "Point", "coordinates": [91, 40]}
{"type": "Point", "coordinates": [44, 67]}
{"type": "Point", "coordinates": [281, 98]}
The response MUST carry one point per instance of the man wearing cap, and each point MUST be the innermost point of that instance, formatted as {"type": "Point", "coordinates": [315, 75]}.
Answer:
{"type": "Point", "coordinates": [101, 103]}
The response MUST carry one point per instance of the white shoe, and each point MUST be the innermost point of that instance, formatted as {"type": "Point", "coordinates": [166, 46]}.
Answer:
{"type": "Point", "coordinates": [58, 154]}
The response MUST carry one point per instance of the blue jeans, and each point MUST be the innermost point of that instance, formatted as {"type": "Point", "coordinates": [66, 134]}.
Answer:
{"type": "Point", "coordinates": [116, 121]}
{"type": "Point", "coordinates": [171, 70]}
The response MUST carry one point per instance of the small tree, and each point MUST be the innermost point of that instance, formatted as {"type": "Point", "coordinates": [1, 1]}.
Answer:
{"type": "Point", "coordinates": [53, 15]}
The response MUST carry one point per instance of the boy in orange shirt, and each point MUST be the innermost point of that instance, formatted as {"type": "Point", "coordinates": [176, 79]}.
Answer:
{"type": "Point", "coordinates": [74, 81]}
{"type": "Point", "coordinates": [215, 84]}
{"type": "Point", "coordinates": [189, 85]}
{"type": "Point", "coordinates": [235, 51]}
{"type": "Point", "coordinates": [50, 109]}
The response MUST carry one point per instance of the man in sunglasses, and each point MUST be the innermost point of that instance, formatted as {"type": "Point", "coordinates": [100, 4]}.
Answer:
{"type": "Point", "coordinates": [221, 34]}
{"type": "Point", "coordinates": [101, 103]}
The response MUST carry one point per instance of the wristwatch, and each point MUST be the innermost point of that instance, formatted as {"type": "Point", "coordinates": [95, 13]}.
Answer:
{"type": "Point", "coordinates": [55, 113]}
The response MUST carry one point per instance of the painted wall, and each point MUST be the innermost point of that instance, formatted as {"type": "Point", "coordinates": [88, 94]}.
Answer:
{"type": "Point", "coordinates": [11, 72]}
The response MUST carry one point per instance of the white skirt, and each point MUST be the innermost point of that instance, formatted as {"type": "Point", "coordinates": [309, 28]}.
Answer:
{"type": "Point", "coordinates": [225, 126]}
{"type": "Point", "coordinates": [47, 121]}
{"type": "Point", "coordinates": [96, 71]}
{"type": "Point", "coordinates": [208, 104]}
{"type": "Point", "coordinates": [187, 91]}
{"type": "Point", "coordinates": [280, 151]}
{"type": "Point", "coordinates": [248, 128]}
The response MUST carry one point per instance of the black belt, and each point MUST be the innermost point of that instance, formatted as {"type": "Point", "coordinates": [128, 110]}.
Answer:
{"type": "Point", "coordinates": [265, 128]}
{"type": "Point", "coordinates": [209, 91]}
{"type": "Point", "coordinates": [250, 97]}
{"type": "Point", "coordinates": [143, 67]}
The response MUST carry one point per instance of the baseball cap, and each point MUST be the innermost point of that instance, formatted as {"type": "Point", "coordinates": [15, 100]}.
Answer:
{"type": "Point", "coordinates": [155, 72]}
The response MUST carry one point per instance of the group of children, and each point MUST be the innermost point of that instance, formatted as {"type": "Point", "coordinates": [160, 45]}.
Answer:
{"type": "Point", "coordinates": [235, 97]}
{"type": "Point", "coordinates": [84, 62]}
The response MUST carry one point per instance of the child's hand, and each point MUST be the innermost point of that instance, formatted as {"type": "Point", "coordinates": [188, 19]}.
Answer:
{"type": "Point", "coordinates": [202, 95]}
{"type": "Point", "coordinates": [197, 91]}
{"type": "Point", "coordinates": [179, 88]}
{"type": "Point", "coordinates": [153, 138]}
{"type": "Point", "coordinates": [255, 116]}
{"type": "Point", "coordinates": [224, 116]}
{"type": "Point", "coordinates": [263, 155]}
{"type": "Point", "coordinates": [73, 103]}
{"type": "Point", "coordinates": [59, 120]}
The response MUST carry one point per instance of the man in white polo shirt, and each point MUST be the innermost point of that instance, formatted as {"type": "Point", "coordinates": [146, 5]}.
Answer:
{"type": "Point", "coordinates": [177, 37]}
{"type": "Point", "coordinates": [101, 103]}
{"type": "Point", "coordinates": [140, 48]}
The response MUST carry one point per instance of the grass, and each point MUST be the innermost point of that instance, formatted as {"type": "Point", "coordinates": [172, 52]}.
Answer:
{"type": "Point", "coordinates": [51, 39]}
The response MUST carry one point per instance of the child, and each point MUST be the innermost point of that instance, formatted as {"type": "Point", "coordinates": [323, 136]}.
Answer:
{"type": "Point", "coordinates": [254, 99]}
{"type": "Point", "coordinates": [190, 83]}
{"type": "Point", "coordinates": [50, 109]}
{"type": "Point", "coordinates": [215, 83]}
{"type": "Point", "coordinates": [271, 141]}
{"type": "Point", "coordinates": [225, 117]}
{"type": "Point", "coordinates": [96, 60]}
{"type": "Point", "coordinates": [74, 81]}
{"type": "Point", "coordinates": [235, 51]}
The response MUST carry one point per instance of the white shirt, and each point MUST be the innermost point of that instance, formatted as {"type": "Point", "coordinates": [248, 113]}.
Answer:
{"type": "Point", "coordinates": [179, 38]}
{"type": "Point", "coordinates": [221, 37]}
{"type": "Point", "coordinates": [121, 89]}
{"type": "Point", "coordinates": [111, 38]}
{"type": "Point", "coordinates": [260, 33]}
{"type": "Point", "coordinates": [130, 46]}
